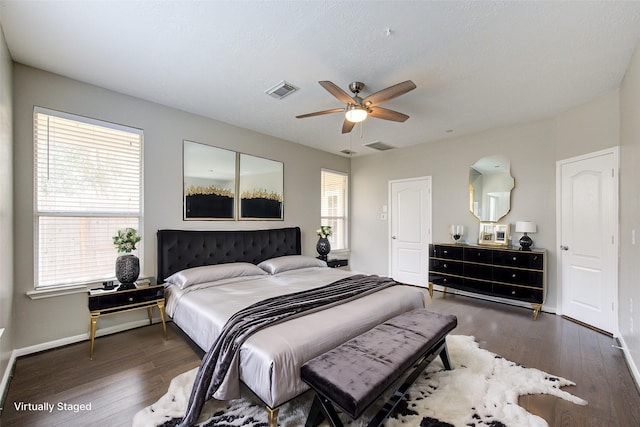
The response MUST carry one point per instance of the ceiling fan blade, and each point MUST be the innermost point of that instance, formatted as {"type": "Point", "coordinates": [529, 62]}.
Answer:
{"type": "Point", "coordinates": [320, 113]}
{"type": "Point", "coordinates": [347, 126]}
{"type": "Point", "coordinates": [386, 114]}
{"type": "Point", "coordinates": [334, 90]}
{"type": "Point", "coordinates": [389, 93]}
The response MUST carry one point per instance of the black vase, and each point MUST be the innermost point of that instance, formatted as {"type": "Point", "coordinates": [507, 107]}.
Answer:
{"type": "Point", "coordinates": [127, 269]}
{"type": "Point", "coordinates": [323, 247]}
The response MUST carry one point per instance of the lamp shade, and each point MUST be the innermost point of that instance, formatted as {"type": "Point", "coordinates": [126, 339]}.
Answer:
{"type": "Point", "coordinates": [356, 113]}
{"type": "Point", "coordinates": [525, 227]}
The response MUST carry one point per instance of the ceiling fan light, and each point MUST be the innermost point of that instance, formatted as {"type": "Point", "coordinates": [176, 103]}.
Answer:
{"type": "Point", "coordinates": [356, 113]}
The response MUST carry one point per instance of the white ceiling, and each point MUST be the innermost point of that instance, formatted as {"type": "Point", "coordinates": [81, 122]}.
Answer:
{"type": "Point", "coordinates": [477, 64]}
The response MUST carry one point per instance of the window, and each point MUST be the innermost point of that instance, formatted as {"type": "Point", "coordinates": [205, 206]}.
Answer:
{"type": "Point", "coordinates": [88, 184]}
{"type": "Point", "coordinates": [334, 203]}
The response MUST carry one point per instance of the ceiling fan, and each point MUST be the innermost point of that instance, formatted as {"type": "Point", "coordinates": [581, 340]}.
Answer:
{"type": "Point", "coordinates": [358, 109]}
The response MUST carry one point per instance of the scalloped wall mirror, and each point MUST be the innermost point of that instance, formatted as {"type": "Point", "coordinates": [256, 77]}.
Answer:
{"type": "Point", "coordinates": [490, 185]}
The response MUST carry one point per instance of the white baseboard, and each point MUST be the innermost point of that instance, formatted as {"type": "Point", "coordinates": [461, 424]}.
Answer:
{"type": "Point", "coordinates": [4, 385]}
{"type": "Point", "coordinates": [82, 337]}
{"type": "Point", "coordinates": [545, 308]}
{"type": "Point", "coordinates": [633, 368]}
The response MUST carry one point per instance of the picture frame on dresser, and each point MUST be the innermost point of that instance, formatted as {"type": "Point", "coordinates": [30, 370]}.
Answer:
{"type": "Point", "coordinates": [493, 234]}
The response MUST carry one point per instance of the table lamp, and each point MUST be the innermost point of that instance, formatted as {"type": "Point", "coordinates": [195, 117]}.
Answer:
{"type": "Point", "coordinates": [525, 227]}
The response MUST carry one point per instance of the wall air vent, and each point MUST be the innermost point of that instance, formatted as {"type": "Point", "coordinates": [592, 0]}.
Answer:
{"type": "Point", "coordinates": [379, 145]}
{"type": "Point", "coordinates": [281, 90]}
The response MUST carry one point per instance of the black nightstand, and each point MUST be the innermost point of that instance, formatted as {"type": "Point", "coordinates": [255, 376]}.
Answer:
{"type": "Point", "coordinates": [103, 302]}
{"type": "Point", "coordinates": [336, 263]}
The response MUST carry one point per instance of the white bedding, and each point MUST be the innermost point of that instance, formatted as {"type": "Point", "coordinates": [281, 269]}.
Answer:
{"type": "Point", "coordinates": [270, 360]}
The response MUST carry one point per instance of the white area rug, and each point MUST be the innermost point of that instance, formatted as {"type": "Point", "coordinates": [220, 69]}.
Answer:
{"type": "Point", "coordinates": [482, 389]}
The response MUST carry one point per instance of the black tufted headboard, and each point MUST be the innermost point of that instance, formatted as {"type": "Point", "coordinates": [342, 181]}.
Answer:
{"type": "Point", "coordinates": [180, 249]}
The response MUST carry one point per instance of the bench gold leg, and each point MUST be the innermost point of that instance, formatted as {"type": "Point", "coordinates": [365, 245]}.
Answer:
{"type": "Point", "coordinates": [273, 416]}
{"type": "Point", "coordinates": [431, 290]}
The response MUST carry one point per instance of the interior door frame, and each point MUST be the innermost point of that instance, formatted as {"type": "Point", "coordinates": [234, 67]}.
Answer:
{"type": "Point", "coordinates": [428, 224]}
{"type": "Point", "coordinates": [615, 151]}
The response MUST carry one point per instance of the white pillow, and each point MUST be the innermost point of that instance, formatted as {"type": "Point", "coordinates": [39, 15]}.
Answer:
{"type": "Point", "coordinates": [290, 262]}
{"type": "Point", "coordinates": [211, 273]}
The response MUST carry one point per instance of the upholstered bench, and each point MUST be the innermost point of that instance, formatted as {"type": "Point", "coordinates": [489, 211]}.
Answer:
{"type": "Point", "coordinates": [357, 373]}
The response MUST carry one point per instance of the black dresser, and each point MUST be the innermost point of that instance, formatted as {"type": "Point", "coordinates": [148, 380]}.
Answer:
{"type": "Point", "coordinates": [506, 273]}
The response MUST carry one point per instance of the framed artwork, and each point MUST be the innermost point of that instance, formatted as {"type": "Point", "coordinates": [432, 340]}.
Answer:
{"type": "Point", "coordinates": [493, 234]}
{"type": "Point", "coordinates": [214, 177]}
{"type": "Point", "coordinates": [209, 182]}
{"type": "Point", "coordinates": [261, 188]}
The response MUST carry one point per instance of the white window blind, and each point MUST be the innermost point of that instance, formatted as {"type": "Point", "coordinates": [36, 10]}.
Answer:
{"type": "Point", "coordinates": [88, 184]}
{"type": "Point", "coordinates": [334, 203]}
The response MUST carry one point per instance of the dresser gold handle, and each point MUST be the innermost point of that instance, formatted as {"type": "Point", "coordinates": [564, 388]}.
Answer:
{"type": "Point", "coordinates": [515, 258]}
{"type": "Point", "coordinates": [130, 299]}
{"type": "Point", "coordinates": [513, 275]}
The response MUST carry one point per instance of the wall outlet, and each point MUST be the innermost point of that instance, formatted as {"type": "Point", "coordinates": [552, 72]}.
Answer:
{"type": "Point", "coordinates": [383, 216]}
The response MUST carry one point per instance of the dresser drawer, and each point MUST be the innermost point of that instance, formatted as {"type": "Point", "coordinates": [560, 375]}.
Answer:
{"type": "Point", "coordinates": [518, 293]}
{"type": "Point", "coordinates": [518, 276]}
{"type": "Point", "coordinates": [446, 281]}
{"type": "Point", "coordinates": [479, 255]}
{"type": "Point", "coordinates": [447, 252]}
{"type": "Point", "coordinates": [477, 286]}
{"type": "Point", "coordinates": [123, 299]}
{"type": "Point", "coordinates": [522, 259]}
{"type": "Point", "coordinates": [446, 266]}
{"type": "Point", "coordinates": [478, 271]}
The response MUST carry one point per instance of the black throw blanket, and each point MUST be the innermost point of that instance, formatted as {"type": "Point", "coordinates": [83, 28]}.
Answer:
{"type": "Point", "coordinates": [265, 313]}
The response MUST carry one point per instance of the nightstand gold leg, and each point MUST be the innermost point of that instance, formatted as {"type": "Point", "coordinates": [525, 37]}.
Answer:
{"type": "Point", "coordinates": [431, 290]}
{"type": "Point", "coordinates": [162, 316]}
{"type": "Point", "coordinates": [92, 333]}
{"type": "Point", "coordinates": [150, 312]}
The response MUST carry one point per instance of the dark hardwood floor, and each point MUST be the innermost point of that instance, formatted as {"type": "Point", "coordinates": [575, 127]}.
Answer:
{"type": "Point", "coordinates": [133, 369]}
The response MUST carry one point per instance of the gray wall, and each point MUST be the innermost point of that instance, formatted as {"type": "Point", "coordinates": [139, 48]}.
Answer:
{"type": "Point", "coordinates": [533, 149]}
{"type": "Point", "coordinates": [629, 277]}
{"type": "Point", "coordinates": [50, 319]}
{"type": "Point", "coordinates": [6, 208]}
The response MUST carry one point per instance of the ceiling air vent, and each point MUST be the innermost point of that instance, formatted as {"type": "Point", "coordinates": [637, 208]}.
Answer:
{"type": "Point", "coordinates": [281, 90]}
{"type": "Point", "coordinates": [379, 145]}
{"type": "Point", "coordinates": [348, 152]}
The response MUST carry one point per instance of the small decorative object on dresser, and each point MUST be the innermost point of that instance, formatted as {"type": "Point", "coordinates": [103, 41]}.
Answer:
{"type": "Point", "coordinates": [493, 234]}
{"type": "Point", "coordinates": [525, 227]}
{"type": "Point", "coordinates": [456, 232]}
{"type": "Point", "coordinates": [323, 246]}
{"type": "Point", "coordinates": [127, 266]}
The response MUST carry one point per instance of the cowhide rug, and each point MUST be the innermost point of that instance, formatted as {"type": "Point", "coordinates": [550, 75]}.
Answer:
{"type": "Point", "coordinates": [481, 390]}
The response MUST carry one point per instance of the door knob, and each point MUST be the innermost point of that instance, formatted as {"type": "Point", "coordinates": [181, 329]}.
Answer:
{"type": "Point", "coordinates": [393, 237]}
{"type": "Point", "coordinates": [564, 248]}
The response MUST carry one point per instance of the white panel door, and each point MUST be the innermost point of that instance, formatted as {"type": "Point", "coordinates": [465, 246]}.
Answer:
{"type": "Point", "coordinates": [588, 239]}
{"type": "Point", "coordinates": [410, 216]}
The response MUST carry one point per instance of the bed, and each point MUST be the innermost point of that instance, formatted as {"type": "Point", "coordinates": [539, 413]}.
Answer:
{"type": "Point", "coordinates": [214, 274]}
